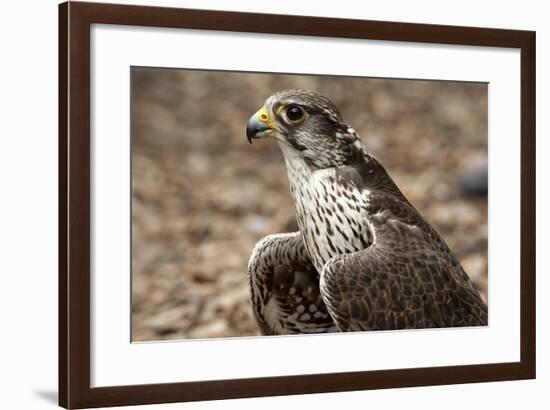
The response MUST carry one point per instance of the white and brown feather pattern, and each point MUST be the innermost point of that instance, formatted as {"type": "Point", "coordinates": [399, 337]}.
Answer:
{"type": "Point", "coordinates": [284, 288]}
{"type": "Point", "coordinates": [331, 214]}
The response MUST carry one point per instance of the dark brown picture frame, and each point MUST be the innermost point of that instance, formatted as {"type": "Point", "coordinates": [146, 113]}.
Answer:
{"type": "Point", "coordinates": [75, 20]}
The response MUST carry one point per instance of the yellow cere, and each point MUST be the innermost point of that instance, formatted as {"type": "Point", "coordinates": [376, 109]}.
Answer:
{"type": "Point", "coordinates": [263, 115]}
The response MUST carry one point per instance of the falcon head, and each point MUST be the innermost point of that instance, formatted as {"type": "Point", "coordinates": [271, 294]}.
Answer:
{"type": "Point", "coordinates": [307, 126]}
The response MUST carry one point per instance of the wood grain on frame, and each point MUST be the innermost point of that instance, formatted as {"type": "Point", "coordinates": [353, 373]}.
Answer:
{"type": "Point", "coordinates": [75, 20]}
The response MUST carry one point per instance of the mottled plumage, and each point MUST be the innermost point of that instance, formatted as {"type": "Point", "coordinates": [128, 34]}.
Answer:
{"type": "Point", "coordinates": [285, 288]}
{"type": "Point", "coordinates": [370, 259]}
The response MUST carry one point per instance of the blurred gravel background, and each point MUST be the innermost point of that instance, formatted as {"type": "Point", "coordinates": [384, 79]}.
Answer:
{"type": "Point", "coordinates": [202, 196]}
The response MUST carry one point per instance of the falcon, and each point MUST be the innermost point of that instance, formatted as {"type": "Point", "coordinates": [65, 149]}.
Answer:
{"type": "Point", "coordinates": [363, 258]}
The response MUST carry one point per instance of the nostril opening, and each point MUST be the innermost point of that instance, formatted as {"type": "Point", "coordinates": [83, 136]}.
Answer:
{"type": "Point", "coordinates": [263, 117]}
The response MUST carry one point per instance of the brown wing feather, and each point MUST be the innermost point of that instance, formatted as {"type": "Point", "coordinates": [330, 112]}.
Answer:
{"type": "Point", "coordinates": [284, 286]}
{"type": "Point", "coordinates": [407, 278]}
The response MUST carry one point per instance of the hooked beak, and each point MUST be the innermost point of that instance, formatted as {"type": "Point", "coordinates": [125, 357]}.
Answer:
{"type": "Point", "coordinates": [259, 125]}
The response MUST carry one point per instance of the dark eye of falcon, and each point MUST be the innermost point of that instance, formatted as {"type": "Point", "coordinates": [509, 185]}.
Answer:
{"type": "Point", "coordinates": [294, 113]}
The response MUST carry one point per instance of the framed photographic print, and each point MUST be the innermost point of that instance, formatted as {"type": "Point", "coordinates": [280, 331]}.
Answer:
{"type": "Point", "coordinates": [255, 205]}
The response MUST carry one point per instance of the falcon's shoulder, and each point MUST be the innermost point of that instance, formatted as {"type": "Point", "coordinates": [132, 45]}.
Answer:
{"type": "Point", "coordinates": [363, 171]}
{"type": "Point", "coordinates": [407, 278]}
